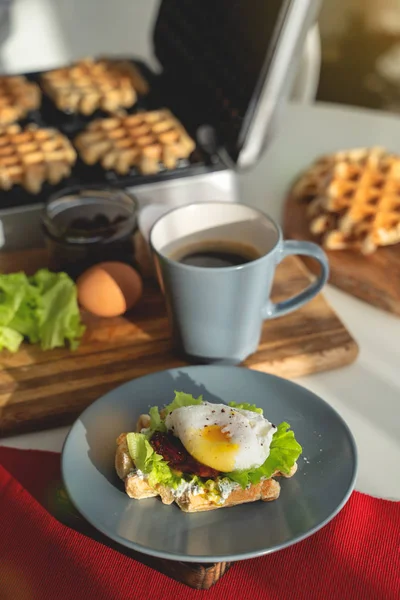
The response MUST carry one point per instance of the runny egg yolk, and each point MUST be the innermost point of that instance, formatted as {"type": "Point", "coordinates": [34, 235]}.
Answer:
{"type": "Point", "coordinates": [212, 446]}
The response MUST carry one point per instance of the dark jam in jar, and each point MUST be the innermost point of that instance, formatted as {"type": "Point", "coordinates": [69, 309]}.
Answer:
{"type": "Point", "coordinates": [84, 227]}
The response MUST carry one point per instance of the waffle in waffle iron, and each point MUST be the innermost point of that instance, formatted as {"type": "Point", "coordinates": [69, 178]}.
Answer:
{"type": "Point", "coordinates": [353, 199]}
{"type": "Point", "coordinates": [91, 84]}
{"type": "Point", "coordinates": [32, 156]}
{"type": "Point", "coordinates": [148, 141]}
{"type": "Point", "coordinates": [18, 96]}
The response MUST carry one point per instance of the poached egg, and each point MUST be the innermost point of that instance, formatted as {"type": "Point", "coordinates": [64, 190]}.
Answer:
{"type": "Point", "coordinates": [223, 438]}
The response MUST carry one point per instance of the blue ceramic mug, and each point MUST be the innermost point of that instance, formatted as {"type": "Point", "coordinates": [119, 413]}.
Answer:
{"type": "Point", "coordinates": [215, 263]}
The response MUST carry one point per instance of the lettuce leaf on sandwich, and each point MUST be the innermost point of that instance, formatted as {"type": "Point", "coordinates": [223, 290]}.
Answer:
{"type": "Point", "coordinates": [181, 399]}
{"type": "Point", "coordinates": [156, 422]}
{"type": "Point", "coordinates": [283, 453]}
{"type": "Point", "coordinates": [149, 462]}
{"type": "Point", "coordinates": [247, 406]}
{"type": "Point", "coordinates": [143, 455]}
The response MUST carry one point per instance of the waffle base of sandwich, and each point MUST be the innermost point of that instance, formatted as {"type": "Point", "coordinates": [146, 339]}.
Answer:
{"type": "Point", "coordinates": [148, 141]}
{"type": "Point", "coordinates": [209, 489]}
{"type": "Point", "coordinates": [18, 96]}
{"type": "Point", "coordinates": [353, 199]}
{"type": "Point", "coordinates": [89, 85]}
{"type": "Point", "coordinates": [31, 156]}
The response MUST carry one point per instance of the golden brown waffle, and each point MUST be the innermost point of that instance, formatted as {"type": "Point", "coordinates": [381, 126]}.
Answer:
{"type": "Point", "coordinates": [17, 97]}
{"type": "Point", "coordinates": [31, 156]}
{"type": "Point", "coordinates": [146, 140]}
{"type": "Point", "coordinates": [90, 84]}
{"type": "Point", "coordinates": [353, 199]}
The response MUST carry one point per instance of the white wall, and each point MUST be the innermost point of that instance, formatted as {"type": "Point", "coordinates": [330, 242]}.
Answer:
{"type": "Point", "coordinates": [47, 33]}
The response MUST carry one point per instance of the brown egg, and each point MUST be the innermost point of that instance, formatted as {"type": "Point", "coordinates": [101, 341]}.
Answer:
{"type": "Point", "coordinates": [109, 289]}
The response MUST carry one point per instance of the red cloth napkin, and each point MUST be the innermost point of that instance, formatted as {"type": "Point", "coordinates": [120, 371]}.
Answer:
{"type": "Point", "coordinates": [356, 556]}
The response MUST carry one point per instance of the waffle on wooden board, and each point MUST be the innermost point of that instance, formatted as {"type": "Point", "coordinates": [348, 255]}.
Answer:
{"type": "Point", "coordinates": [90, 84]}
{"type": "Point", "coordinates": [18, 96]}
{"type": "Point", "coordinates": [148, 141]}
{"type": "Point", "coordinates": [353, 199]}
{"type": "Point", "coordinates": [31, 156]}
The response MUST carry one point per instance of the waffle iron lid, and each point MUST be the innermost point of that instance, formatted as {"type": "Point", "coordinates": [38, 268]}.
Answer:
{"type": "Point", "coordinates": [228, 66]}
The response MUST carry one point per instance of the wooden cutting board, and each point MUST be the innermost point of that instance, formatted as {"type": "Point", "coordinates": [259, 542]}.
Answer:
{"type": "Point", "coordinates": [45, 389]}
{"type": "Point", "coordinates": [374, 279]}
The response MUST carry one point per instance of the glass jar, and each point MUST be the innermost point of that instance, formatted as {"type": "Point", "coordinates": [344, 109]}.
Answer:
{"type": "Point", "coordinates": [86, 226]}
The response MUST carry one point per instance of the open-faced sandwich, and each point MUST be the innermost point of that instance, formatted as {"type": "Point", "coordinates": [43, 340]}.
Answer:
{"type": "Point", "coordinates": [205, 456]}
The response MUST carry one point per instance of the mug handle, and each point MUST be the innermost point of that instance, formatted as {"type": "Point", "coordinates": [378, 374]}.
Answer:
{"type": "Point", "coordinates": [289, 248]}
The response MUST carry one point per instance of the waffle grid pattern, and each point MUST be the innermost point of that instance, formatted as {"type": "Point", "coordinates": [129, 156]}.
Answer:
{"type": "Point", "coordinates": [18, 96]}
{"type": "Point", "coordinates": [31, 156]}
{"type": "Point", "coordinates": [89, 85]}
{"type": "Point", "coordinates": [353, 199]}
{"type": "Point", "coordinates": [149, 141]}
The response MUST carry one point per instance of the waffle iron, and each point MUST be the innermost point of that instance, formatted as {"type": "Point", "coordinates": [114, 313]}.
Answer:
{"type": "Point", "coordinates": [226, 69]}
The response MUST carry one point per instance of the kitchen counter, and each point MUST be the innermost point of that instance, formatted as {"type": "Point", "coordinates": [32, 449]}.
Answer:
{"type": "Point", "coordinates": [366, 393]}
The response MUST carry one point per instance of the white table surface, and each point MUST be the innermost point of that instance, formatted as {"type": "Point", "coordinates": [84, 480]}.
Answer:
{"type": "Point", "coordinates": [366, 393]}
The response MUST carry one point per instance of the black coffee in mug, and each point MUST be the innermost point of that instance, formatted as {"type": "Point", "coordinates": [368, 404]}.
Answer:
{"type": "Point", "coordinates": [214, 254]}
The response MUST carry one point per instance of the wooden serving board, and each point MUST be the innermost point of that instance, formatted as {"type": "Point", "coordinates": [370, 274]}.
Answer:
{"type": "Point", "coordinates": [45, 389]}
{"type": "Point", "coordinates": [374, 278]}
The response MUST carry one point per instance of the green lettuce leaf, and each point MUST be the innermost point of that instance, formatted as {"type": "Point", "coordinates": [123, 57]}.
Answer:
{"type": "Point", "coordinates": [247, 406]}
{"type": "Point", "coordinates": [13, 289]}
{"type": "Point", "coordinates": [284, 451]}
{"type": "Point", "coordinates": [25, 320]}
{"type": "Point", "coordinates": [42, 308]}
{"type": "Point", "coordinates": [241, 477]}
{"type": "Point", "coordinates": [58, 313]}
{"type": "Point", "coordinates": [182, 399]}
{"type": "Point", "coordinates": [149, 462]}
{"type": "Point", "coordinates": [9, 339]}
{"type": "Point", "coordinates": [156, 423]}
{"type": "Point", "coordinates": [17, 304]}
{"type": "Point", "coordinates": [140, 450]}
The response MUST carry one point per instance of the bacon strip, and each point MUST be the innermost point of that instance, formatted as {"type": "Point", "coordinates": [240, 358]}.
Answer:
{"type": "Point", "coordinates": [173, 451]}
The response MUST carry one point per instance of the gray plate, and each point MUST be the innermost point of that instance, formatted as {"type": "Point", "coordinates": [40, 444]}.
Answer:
{"type": "Point", "coordinates": [309, 500]}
